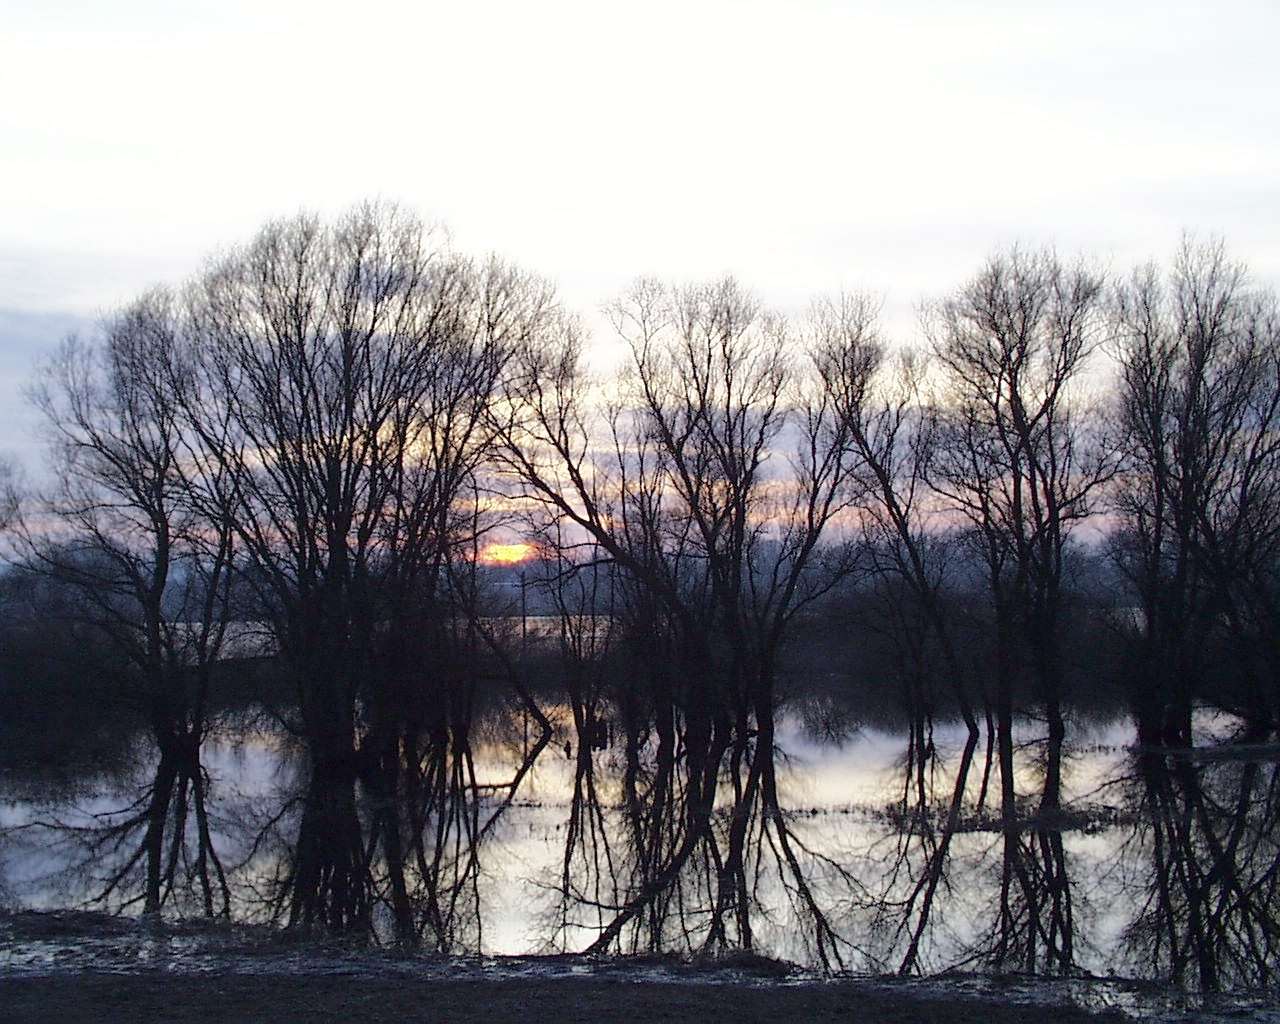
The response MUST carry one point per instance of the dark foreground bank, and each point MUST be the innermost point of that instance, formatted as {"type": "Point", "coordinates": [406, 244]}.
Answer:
{"type": "Point", "coordinates": [69, 966]}
{"type": "Point", "coordinates": [99, 997]}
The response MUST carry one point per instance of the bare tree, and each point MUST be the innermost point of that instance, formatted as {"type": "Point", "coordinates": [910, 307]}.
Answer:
{"type": "Point", "coordinates": [151, 573]}
{"type": "Point", "coordinates": [345, 376]}
{"type": "Point", "coordinates": [881, 398]}
{"type": "Point", "coordinates": [1019, 458]}
{"type": "Point", "coordinates": [722, 469]}
{"type": "Point", "coordinates": [1200, 402]}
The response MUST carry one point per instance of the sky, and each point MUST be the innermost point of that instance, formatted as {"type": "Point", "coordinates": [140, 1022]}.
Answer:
{"type": "Point", "coordinates": [804, 146]}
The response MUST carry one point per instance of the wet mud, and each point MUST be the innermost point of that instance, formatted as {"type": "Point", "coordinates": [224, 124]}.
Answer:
{"type": "Point", "coordinates": [91, 967]}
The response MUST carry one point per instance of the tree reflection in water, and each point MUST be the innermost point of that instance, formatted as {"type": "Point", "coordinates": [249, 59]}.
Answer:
{"type": "Point", "coordinates": [1177, 879]}
{"type": "Point", "coordinates": [1208, 913]}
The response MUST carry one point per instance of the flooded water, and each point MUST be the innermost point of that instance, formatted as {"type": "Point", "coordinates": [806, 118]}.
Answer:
{"type": "Point", "coordinates": [837, 794]}
{"type": "Point", "coordinates": [535, 888]}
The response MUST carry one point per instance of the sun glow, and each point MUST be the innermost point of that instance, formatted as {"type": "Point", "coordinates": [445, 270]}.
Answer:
{"type": "Point", "coordinates": [506, 554]}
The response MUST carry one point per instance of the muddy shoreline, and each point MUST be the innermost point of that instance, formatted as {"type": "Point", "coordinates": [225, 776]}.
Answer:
{"type": "Point", "coordinates": [70, 966]}
{"type": "Point", "coordinates": [155, 997]}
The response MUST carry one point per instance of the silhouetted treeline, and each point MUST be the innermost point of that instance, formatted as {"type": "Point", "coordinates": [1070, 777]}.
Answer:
{"type": "Point", "coordinates": [273, 488]}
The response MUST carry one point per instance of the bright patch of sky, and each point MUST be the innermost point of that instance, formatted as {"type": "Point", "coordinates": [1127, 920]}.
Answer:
{"type": "Point", "coordinates": [804, 146]}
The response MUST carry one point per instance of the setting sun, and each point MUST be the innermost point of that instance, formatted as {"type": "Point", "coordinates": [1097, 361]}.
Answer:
{"type": "Point", "coordinates": [506, 554]}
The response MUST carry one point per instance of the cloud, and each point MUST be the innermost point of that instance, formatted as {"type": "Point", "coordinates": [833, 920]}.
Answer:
{"type": "Point", "coordinates": [803, 146]}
